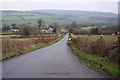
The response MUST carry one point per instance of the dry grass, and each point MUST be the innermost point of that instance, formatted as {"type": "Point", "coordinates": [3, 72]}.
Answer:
{"type": "Point", "coordinates": [99, 52]}
{"type": "Point", "coordinates": [100, 46]}
{"type": "Point", "coordinates": [15, 47]}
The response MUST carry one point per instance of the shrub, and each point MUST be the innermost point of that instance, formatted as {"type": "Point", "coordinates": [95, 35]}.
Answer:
{"type": "Point", "coordinates": [21, 45]}
{"type": "Point", "coordinates": [26, 31]}
{"type": "Point", "coordinates": [99, 47]}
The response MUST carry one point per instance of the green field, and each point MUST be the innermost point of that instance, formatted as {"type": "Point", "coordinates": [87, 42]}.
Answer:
{"type": "Point", "coordinates": [95, 37]}
{"type": "Point", "coordinates": [90, 27]}
{"type": "Point", "coordinates": [8, 37]}
{"type": "Point", "coordinates": [26, 17]}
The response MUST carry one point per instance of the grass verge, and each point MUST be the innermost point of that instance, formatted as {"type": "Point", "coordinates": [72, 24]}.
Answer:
{"type": "Point", "coordinates": [96, 61]}
{"type": "Point", "coordinates": [38, 46]}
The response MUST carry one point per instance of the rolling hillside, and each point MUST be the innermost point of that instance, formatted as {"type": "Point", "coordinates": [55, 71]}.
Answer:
{"type": "Point", "coordinates": [60, 16]}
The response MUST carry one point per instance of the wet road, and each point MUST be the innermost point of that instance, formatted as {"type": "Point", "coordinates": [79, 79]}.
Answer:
{"type": "Point", "coordinates": [55, 61]}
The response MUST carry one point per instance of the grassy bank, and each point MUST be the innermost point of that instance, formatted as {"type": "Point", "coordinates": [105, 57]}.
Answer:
{"type": "Point", "coordinates": [26, 46]}
{"type": "Point", "coordinates": [95, 61]}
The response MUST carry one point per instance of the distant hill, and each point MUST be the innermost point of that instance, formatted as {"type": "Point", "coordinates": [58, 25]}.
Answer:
{"type": "Point", "coordinates": [77, 13]}
{"type": "Point", "coordinates": [61, 16]}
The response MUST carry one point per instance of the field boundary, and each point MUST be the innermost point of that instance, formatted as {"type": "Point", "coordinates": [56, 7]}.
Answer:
{"type": "Point", "coordinates": [96, 62]}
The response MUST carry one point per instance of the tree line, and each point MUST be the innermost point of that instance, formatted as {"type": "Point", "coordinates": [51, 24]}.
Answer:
{"type": "Point", "coordinates": [27, 29]}
{"type": "Point", "coordinates": [108, 30]}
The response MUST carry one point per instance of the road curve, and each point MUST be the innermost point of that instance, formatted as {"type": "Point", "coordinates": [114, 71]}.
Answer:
{"type": "Point", "coordinates": [55, 61]}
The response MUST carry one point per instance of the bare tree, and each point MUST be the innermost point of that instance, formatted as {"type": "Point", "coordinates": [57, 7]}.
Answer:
{"type": "Point", "coordinates": [13, 26]}
{"type": "Point", "coordinates": [26, 31]}
{"type": "Point", "coordinates": [74, 27]}
{"type": "Point", "coordinates": [40, 23]}
{"type": "Point", "coordinates": [5, 27]}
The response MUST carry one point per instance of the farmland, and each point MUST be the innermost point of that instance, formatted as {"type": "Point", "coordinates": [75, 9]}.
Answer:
{"type": "Point", "coordinates": [97, 51]}
{"type": "Point", "coordinates": [48, 19]}
{"type": "Point", "coordinates": [92, 37]}
{"type": "Point", "coordinates": [96, 37]}
{"type": "Point", "coordinates": [62, 17]}
{"type": "Point", "coordinates": [90, 27]}
{"type": "Point", "coordinates": [15, 46]}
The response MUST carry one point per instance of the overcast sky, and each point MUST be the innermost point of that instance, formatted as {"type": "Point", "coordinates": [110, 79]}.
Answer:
{"type": "Point", "coordinates": [87, 5]}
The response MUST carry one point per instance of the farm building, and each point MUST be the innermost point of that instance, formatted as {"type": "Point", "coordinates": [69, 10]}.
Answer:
{"type": "Point", "coordinates": [48, 31]}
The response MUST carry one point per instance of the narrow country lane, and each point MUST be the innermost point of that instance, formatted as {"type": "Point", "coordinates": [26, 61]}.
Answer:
{"type": "Point", "coordinates": [55, 61]}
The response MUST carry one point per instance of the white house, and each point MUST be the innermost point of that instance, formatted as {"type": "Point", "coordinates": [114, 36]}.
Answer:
{"type": "Point", "coordinates": [48, 31]}
{"type": "Point", "coordinates": [44, 31]}
{"type": "Point", "coordinates": [14, 30]}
